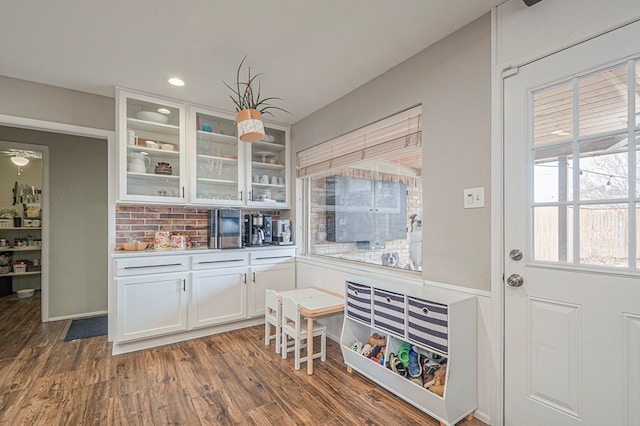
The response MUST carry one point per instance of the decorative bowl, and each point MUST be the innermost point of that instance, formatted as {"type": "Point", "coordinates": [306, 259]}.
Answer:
{"type": "Point", "coordinates": [152, 116]}
{"type": "Point", "coordinates": [134, 246]}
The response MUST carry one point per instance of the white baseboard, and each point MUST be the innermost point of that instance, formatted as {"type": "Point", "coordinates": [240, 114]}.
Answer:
{"type": "Point", "coordinates": [76, 316]}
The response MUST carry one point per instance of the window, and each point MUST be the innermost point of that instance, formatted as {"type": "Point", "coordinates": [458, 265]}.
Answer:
{"type": "Point", "coordinates": [586, 180]}
{"type": "Point", "coordinates": [364, 193]}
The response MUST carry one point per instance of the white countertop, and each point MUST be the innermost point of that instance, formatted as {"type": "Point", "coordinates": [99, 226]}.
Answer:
{"type": "Point", "coordinates": [195, 250]}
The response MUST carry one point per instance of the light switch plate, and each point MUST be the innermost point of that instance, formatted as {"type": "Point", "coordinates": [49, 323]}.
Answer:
{"type": "Point", "coordinates": [474, 198]}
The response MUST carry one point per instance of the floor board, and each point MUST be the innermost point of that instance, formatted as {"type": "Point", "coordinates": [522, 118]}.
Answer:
{"type": "Point", "coordinates": [225, 379]}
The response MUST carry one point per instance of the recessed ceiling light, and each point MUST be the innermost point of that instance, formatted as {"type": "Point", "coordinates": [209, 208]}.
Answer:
{"type": "Point", "coordinates": [164, 111]}
{"type": "Point", "coordinates": [176, 82]}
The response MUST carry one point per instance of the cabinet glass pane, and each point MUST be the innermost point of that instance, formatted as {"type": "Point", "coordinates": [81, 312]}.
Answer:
{"type": "Point", "coordinates": [153, 149]}
{"type": "Point", "coordinates": [268, 168]}
{"type": "Point", "coordinates": [216, 159]}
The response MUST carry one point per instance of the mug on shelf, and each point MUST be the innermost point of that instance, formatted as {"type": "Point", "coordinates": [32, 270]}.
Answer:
{"type": "Point", "coordinates": [264, 179]}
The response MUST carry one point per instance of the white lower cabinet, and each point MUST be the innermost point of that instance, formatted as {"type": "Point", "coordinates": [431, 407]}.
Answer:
{"type": "Point", "coordinates": [151, 305]}
{"type": "Point", "coordinates": [218, 296]}
{"type": "Point", "coordinates": [151, 297]}
{"type": "Point", "coordinates": [161, 295]}
{"type": "Point", "coordinates": [275, 271]}
{"type": "Point", "coordinates": [438, 325]}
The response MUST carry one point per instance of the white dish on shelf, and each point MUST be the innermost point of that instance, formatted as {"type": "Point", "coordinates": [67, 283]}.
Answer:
{"type": "Point", "coordinates": [152, 116]}
{"type": "Point", "coordinates": [265, 155]}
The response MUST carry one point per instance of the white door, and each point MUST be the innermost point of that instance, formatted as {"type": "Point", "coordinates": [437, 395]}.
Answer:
{"type": "Point", "coordinates": [572, 208]}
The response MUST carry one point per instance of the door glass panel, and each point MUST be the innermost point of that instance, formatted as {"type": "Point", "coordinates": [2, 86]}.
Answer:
{"type": "Point", "coordinates": [604, 235]}
{"type": "Point", "coordinates": [604, 168]}
{"type": "Point", "coordinates": [553, 114]}
{"type": "Point", "coordinates": [553, 231]}
{"type": "Point", "coordinates": [603, 101]}
{"type": "Point", "coordinates": [553, 174]}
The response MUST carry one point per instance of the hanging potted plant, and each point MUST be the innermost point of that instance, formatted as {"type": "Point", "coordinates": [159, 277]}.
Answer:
{"type": "Point", "coordinates": [250, 106]}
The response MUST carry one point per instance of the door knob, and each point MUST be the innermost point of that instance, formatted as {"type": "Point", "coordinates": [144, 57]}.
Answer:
{"type": "Point", "coordinates": [515, 254]}
{"type": "Point", "coordinates": [515, 280]}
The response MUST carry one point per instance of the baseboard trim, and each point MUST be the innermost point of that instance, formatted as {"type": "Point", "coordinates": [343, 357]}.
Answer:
{"type": "Point", "coordinates": [76, 316]}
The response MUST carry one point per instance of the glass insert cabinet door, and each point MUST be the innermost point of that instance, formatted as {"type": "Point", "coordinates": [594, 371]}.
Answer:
{"type": "Point", "coordinates": [151, 141]}
{"type": "Point", "coordinates": [218, 167]}
{"type": "Point", "coordinates": [268, 171]}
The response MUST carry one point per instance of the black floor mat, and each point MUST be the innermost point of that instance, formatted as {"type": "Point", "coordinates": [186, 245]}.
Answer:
{"type": "Point", "coordinates": [87, 327]}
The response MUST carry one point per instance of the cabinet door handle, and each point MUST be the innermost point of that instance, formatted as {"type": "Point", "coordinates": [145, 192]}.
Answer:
{"type": "Point", "coordinates": [249, 197]}
{"type": "Point", "coordinates": [241, 195]}
{"type": "Point", "coordinates": [272, 257]}
{"type": "Point", "coordinates": [245, 278]}
{"type": "Point", "coordinates": [184, 285]}
{"type": "Point", "coordinates": [152, 266]}
{"type": "Point", "coordinates": [254, 277]}
{"type": "Point", "coordinates": [183, 192]}
{"type": "Point", "coordinates": [220, 261]}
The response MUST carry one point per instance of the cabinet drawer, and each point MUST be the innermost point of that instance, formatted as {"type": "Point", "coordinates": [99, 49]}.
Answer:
{"type": "Point", "coordinates": [260, 257]}
{"type": "Point", "coordinates": [219, 260]}
{"type": "Point", "coordinates": [151, 265]}
{"type": "Point", "coordinates": [359, 302]}
{"type": "Point", "coordinates": [428, 324]}
{"type": "Point", "coordinates": [388, 311]}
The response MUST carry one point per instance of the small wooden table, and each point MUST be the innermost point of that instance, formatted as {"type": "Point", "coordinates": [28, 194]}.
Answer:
{"type": "Point", "coordinates": [314, 307]}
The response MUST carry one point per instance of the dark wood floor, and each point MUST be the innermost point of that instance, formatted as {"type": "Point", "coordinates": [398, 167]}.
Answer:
{"type": "Point", "coordinates": [229, 378]}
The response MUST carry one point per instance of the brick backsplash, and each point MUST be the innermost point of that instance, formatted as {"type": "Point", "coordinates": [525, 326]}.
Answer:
{"type": "Point", "coordinates": [139, 222]}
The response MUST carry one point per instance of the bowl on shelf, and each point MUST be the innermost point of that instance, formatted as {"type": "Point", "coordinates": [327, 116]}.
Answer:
{"type": "Point", "coordinates": [25, 293]}
{"type": "Point", "coordinates": [168, 146]}
{"type": "Point", "coordinates": [152, 116]}
{"type": "Point", "coordinates": [134, 245]}
{"type": "Point", "coordinates": [5, 269]}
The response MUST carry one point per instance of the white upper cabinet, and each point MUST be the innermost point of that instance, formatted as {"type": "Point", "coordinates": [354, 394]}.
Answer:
{"type": "Point", "coordinates": [268, 171]}
{"type": "Point", "coordinates": [225, 171]}
{"type": "Point", "coordinates": [151, 147]}
{"type": "Point", "coordinates": [171, 153]}
{"type": "Point", "coordinates": [216, 159]}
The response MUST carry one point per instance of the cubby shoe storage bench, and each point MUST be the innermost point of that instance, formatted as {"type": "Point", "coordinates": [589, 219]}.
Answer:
{"type": "Point", "coordinates": [434, 324]}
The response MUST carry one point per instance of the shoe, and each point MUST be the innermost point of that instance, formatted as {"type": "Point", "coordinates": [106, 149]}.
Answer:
{"type": "Point", "coordinates": [377, 340]}
{"type": "Point", "coordinates": [396, 365]}
{"type": "Point", "coordinates": [415, 369]}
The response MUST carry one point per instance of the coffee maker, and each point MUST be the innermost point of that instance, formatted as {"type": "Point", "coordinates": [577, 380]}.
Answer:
{"type": "Point", "coordinates": [282, 232]}
{"type": "Point", "coordinates": [257, 230]}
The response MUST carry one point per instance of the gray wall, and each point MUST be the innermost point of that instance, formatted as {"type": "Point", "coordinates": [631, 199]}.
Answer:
{"type": "Point", "coordinates": [22, 98]}
{"type": "Point", "coordinates": [452, 81]}
{"type": "Point", "coordinates": [78, 174]}
{"type": "Point", "coordinates": [78, 227]}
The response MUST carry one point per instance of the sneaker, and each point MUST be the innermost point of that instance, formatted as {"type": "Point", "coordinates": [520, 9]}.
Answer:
{"type": "Point", "coordinates": [396, 365]}
{"type": "Point", "coordinates": [415, 369]}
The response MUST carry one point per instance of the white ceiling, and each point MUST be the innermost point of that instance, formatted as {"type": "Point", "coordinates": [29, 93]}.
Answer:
{"type": "Point", "coordinates": [309, 52]}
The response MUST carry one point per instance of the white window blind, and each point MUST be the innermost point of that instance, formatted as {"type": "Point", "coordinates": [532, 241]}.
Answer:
{"type": "Point", "coordinates": [392, 134]}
